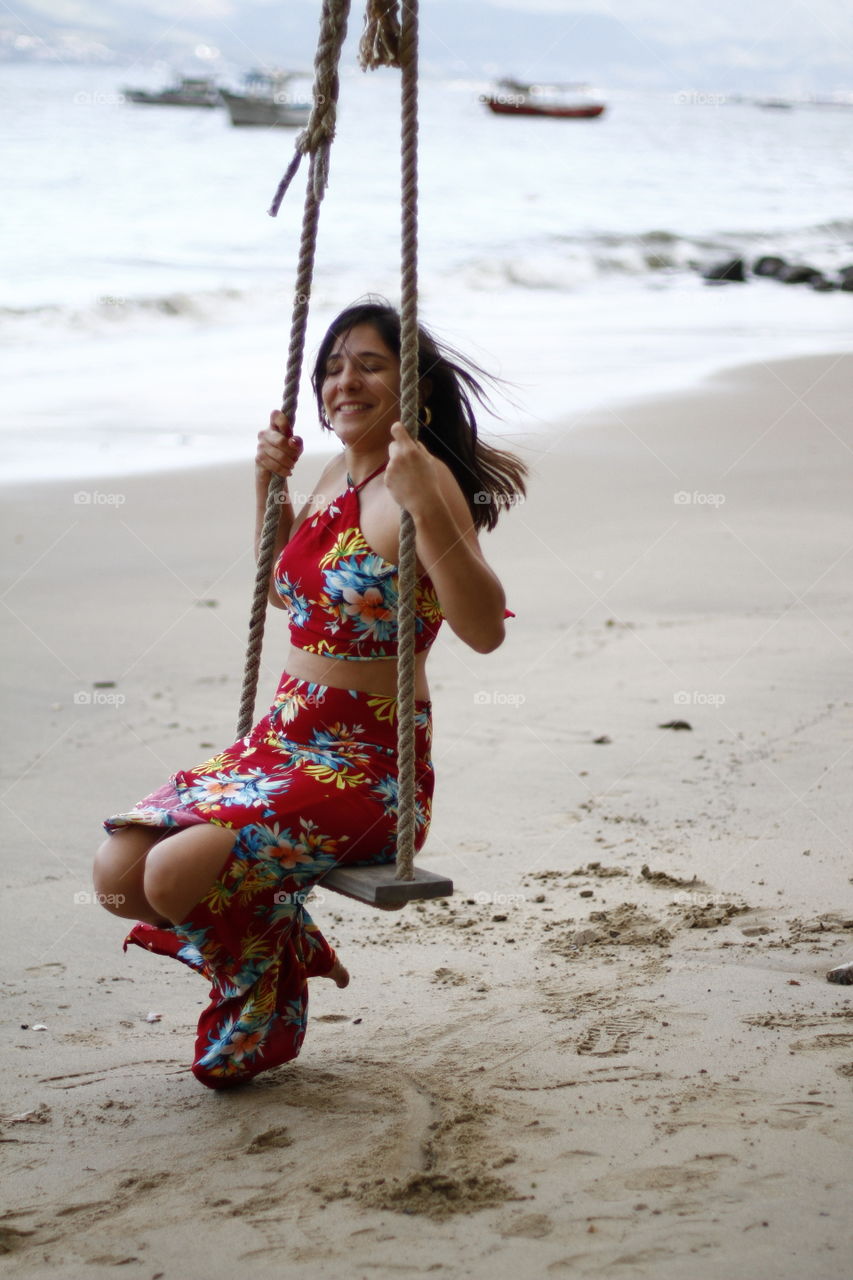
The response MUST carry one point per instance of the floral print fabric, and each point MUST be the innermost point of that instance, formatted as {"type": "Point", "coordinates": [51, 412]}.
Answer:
{"type": "Point", "coordinates": [341, 595]}
{"type": "Point", "coordinates": [314, 784]}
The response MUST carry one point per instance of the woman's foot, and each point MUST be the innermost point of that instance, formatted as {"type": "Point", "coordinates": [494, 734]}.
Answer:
{"type": "Point", "coordinates": [338, 974]}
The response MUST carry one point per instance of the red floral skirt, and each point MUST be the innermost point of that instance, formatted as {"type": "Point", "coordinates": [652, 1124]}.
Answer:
{"type": "Point", "coordinates": [313, 785]}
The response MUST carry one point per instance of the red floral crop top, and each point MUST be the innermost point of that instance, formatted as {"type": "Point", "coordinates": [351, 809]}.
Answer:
{"type": "Point", "coordinates": [342, 595]}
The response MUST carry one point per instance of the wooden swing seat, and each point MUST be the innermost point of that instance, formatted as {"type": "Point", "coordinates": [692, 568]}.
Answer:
{"type": "Point", "coordinates": [377, 886]}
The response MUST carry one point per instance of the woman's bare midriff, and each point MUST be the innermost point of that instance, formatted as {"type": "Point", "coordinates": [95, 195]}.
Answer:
{"type": "Point", "coordinates": [377, 676]}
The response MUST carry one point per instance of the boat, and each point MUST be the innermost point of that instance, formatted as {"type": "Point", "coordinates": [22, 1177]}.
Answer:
{"type": "Point", "coordinates": [516, 98]}
{"type": "Point", "coordinates": [190, 91]}
{"type": "Point", "coordinates": [269, 98]}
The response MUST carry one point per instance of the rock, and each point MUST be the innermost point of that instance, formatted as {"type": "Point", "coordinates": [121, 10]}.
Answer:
{"type": "Point", "coordinates": [676, 724]}
{"type": "Point", "coordinates": [733, 271]}
{"type": "Point", "coordinates": [769, 265]}
{"type": "Point", "coordinates": [821, 285]}
{"type": "Point", "coordinates": [843, 974]}
{"type": "Point", "coordinates": [798, 273]}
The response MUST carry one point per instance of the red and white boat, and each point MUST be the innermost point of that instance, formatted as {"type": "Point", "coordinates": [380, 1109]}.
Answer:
{"type": "Point", "coordinates": [560, 101]}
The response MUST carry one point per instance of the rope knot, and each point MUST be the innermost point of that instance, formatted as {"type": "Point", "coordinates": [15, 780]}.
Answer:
{"type": "Point", "coordinates": [316, 137]}
{"type": "Point", "coordinates": [380, 40]}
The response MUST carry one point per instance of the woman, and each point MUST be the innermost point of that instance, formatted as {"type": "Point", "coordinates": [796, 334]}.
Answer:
{"type": "Point", "coordinates": [216, 864]}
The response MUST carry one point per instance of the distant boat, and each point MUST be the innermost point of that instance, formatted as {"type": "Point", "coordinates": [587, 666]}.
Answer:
{"type": "Point", "coordinates": [190, 91]}
{"type": "Point", "coordinates": [515, 98]}
{"type": "Point", "coordinates": [269, 99]}
{"type": "Point", "coordinates": [774, 104]}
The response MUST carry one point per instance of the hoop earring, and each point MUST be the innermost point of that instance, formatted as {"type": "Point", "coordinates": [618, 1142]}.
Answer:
{"type": "Point", "coordinates": [427, 416]}
{"type": "Point", "coordinates": [324, 421]}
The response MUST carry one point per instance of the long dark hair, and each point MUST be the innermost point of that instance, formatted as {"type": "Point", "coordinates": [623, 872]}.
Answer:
{"type": "Point", "coordinates": [490, 478]}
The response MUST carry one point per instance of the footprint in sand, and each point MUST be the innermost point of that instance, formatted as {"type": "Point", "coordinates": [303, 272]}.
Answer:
{"type": "Point", "coordinates": [613, 1036]}
{"type": "Point", "coordinates": [269, 1140]}
{"type": "Point", "coordinates": [830, 1040]}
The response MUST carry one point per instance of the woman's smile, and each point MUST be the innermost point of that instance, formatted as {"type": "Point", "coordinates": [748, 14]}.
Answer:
{"type": "Point", "coordinates": [362, 382]}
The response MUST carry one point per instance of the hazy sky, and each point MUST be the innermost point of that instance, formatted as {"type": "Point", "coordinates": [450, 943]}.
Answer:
{"type": "Point", "coordinates": [664, 19]}
{"type": "Point", "coordinates": [787, 38]}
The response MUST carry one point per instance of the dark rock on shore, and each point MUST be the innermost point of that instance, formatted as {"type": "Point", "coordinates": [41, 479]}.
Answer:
{"type": "Point", "coordinates": [768, 266]}
{"type": "Point", "coordinates": [734, 270]}
{"type": "Point", "coordinates": [799, 273]}
{"type": "Point", "coordinates": [771, 266]}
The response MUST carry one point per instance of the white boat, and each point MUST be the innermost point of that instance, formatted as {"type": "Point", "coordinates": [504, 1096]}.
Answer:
{"type": "Point", "coordinates": [190, 91]}
{"type": "Point", "coordinates": [270, 98]}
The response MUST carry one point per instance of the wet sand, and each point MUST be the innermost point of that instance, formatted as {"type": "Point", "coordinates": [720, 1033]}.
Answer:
{"type": "Point", "coordinates": [614, 1052]}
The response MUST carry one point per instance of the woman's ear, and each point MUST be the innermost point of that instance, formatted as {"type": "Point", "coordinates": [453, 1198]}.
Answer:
{"type": "Point", "coordinates": [425, 389]}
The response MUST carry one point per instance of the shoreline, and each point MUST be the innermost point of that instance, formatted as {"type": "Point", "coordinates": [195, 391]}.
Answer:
{"type": "Point", "coordinates": [614, 1050]}
{"type": "Point", "coordinates": [703, 383]}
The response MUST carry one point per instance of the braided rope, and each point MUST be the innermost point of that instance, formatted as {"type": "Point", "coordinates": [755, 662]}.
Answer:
{"type": "Point", "coordinates": [318, 142]}
{"type": "Point", "coordinates": [409, 414]}
{"type": "Point", "coordinates": [321, 124]}
{"type": "Point", "coordinates": [387, 41]}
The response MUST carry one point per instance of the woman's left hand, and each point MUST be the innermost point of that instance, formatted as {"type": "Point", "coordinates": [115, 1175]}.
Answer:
{"type": "Point", "coordinates": [410, 474]}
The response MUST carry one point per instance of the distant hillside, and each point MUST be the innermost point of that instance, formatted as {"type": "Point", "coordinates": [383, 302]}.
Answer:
{"type": "Point", "coordinates": [473, 39]}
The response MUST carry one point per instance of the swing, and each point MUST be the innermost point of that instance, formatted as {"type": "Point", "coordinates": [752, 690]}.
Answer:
{"type": "Point", "coordinates": [387, 41]}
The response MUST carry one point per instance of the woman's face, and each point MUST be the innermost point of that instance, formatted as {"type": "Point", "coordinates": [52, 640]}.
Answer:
{"type": "Point", "coordinates": [361, 387]}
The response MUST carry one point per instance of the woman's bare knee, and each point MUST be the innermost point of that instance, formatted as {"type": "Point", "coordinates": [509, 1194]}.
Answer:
{"type": "Point", "coordinates": [178, 875]}
{"type": "Point", "coordinates": [119, 871]}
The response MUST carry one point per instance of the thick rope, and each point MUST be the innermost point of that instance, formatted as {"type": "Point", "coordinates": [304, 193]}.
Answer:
{"type": "Point", "coordinates": [332, 33]}
{"type": "Point", "coordinates": [406, 810]}
{"type": "Point", "coordinates": [321, 124]}
{"type": "Point", "coordinates": [389, 40]}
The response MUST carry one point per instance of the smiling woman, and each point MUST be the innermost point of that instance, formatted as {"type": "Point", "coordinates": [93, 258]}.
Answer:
{"type": "Point", "coordinates": [217, 863]}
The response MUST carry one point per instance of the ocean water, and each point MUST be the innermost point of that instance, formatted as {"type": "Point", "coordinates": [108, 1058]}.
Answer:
{"type": "Point", "coordinates": [145, 295]}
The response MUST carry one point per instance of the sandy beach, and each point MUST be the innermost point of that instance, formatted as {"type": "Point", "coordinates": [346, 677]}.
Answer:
{"type": "Point", "coordinates": [614, 1052]}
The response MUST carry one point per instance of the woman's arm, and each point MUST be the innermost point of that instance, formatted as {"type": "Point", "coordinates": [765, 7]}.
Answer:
{"type": "Point", "coordinates": [471, 596]}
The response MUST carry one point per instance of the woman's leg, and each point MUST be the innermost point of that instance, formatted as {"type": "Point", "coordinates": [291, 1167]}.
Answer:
{"type": "Point", "coordinates": [158, 876]}
{"type": "Point", "coordinates": [179, 872]}
{"type": "Point", "coordinates": [119, 874]}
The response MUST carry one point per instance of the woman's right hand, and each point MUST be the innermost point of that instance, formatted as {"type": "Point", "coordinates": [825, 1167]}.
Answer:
{"type": "Point", "coordinates": [278, 449]}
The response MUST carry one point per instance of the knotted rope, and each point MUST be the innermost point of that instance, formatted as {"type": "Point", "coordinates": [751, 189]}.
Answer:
{"type": "Point", "coordinates": [317, 140]}
{"type": "Point", "coordinates": [387, 40]}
